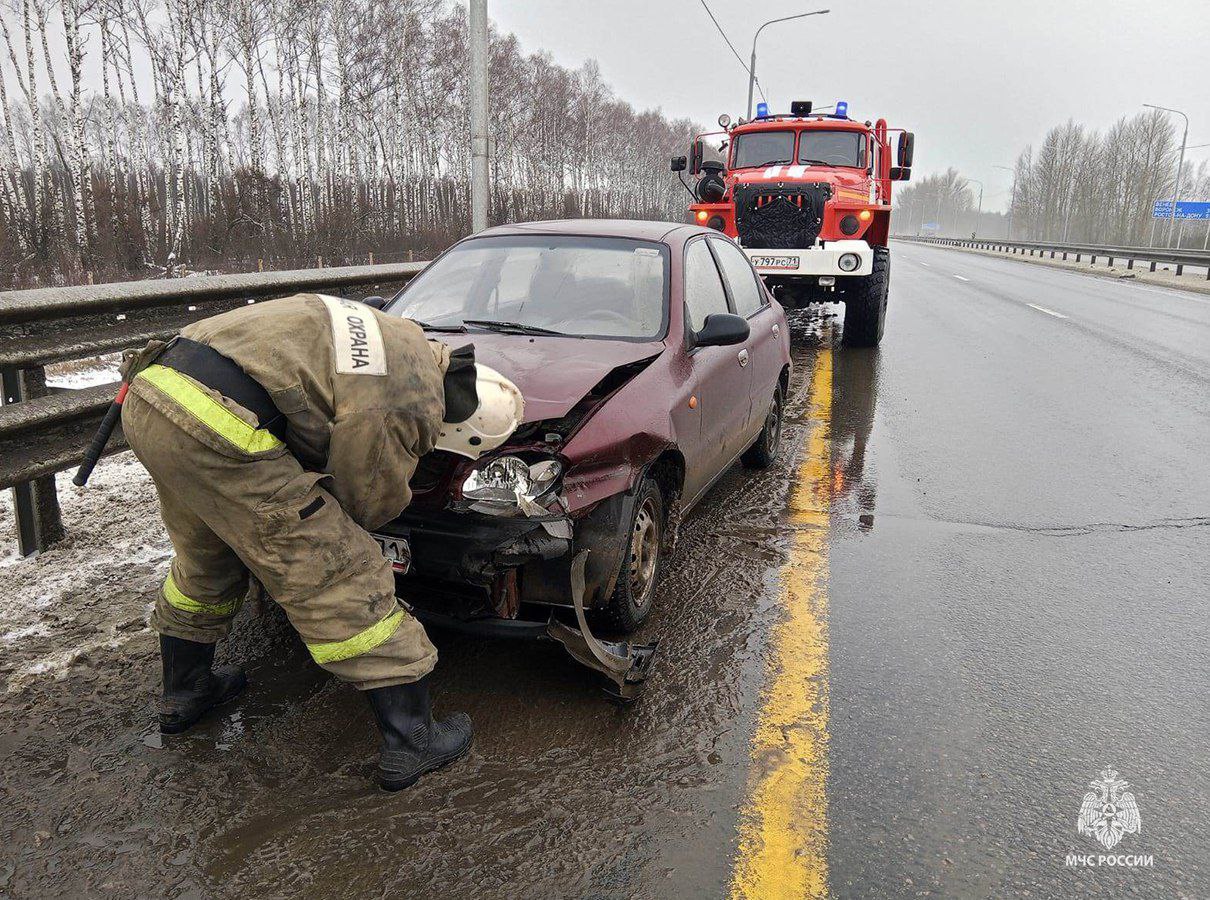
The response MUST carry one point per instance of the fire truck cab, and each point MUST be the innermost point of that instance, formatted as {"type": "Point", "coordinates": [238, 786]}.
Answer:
{"type": "Point", "coordinates": [808, 197]}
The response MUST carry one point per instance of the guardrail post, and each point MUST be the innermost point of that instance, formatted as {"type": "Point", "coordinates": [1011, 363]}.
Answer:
{"type": "Point", "coordinates": [1092, 260]}
{"type": "Point", "coordinates": [1078, 255]}
{"type": "Point", "coordinates": [1180, 267]}
{"type": "Point", "coordinates": [1129, 264]}
{"type": "Point", "coordinates": [36, 503]}
{"type": "Point", "coordinates": [1152, 269]}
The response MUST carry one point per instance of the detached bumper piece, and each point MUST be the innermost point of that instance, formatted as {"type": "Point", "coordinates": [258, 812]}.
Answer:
{"type": "Point", "coordinates": [624, 663]}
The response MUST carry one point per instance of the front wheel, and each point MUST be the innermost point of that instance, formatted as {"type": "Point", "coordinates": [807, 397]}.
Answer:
{"type": "Point", "coordinates": [865, 301]}
{"type": "Point", "coordinates": [631, 602]}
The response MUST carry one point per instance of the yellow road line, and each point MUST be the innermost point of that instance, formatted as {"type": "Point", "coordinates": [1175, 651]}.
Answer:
{"type": "Point", "coordinates": [783, 828]}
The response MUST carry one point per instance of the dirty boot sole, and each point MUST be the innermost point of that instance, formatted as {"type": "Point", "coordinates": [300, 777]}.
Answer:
{"type": "Point", "coordinates": [188, 715]}
{"type": "Point", "coordinates": [394, 780]}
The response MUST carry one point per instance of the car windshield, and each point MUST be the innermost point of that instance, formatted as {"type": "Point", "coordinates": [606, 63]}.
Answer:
{"type": "Point", "coordinates": [763, 148]}
{"type": "Point", "coordinates": [541, 284]}
{"type": "Point", "coordinates": [831, 148]}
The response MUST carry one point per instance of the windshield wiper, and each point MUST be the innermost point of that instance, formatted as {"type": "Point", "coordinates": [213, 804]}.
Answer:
{"type": "Point", "coordinates": [428, 326]}
{"type": "Point", "coordinates": [512, 327]}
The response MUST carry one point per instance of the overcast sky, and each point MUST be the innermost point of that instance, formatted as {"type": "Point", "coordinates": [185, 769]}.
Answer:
{"type": "Point", "coordinates": [976, 80]}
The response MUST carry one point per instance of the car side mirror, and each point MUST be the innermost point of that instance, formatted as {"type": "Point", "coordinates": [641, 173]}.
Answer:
{"type": "Point", "coordinates": [722, 330]}
{"type": "Point", "coordinates": [907, 149]}
{"type": "Point", "coordinates": [374, 302]}
{"type": "Point", "coordinates": [697, 152]}
{"type": "Point", "coordinates": [900, 173]}
{"type": "Point", "coordinates": [679, 163]}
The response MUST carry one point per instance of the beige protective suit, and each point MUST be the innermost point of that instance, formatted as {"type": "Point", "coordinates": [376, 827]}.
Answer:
{"type": "Point", "coordinates": [362, 394]}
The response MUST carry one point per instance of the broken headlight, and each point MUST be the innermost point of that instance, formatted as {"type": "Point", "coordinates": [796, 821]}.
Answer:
{"type": "Point", "coordinates": [509, 481]}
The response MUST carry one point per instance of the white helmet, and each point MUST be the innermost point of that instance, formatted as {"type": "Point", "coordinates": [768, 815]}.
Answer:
{"type": "Point", "coordinates": [500, 410]}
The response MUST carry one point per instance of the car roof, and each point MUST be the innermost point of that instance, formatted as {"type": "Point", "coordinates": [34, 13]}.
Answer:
{"type": "Point", "coordinates": [638, 229]}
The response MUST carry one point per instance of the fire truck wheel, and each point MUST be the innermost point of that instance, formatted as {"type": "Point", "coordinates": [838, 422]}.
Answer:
{"type": "Point", "coordinates": [865, 303]}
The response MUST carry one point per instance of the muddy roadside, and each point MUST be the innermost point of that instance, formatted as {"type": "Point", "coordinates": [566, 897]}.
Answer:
{"type": "Point", "coordinates": [563, 793]}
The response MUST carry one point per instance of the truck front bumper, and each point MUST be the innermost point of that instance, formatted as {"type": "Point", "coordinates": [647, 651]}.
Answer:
{"type": "Point", "coordinates": [813, 261]}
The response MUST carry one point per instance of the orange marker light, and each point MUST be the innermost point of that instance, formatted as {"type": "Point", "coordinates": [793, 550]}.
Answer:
{"type": "Point", "coordinates": [693, 402]}
{"type": "Point", "coordinates": [702, 215]}
{"type": "Point", "coordinates": [864, 215]}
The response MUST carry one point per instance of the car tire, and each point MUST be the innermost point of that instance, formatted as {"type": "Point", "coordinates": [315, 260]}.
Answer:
{"type": "Point", "coordinates": [763, 453]}
{"type": "Point", "coordinates": [633, 595]}
{"type": "Point", "coordinates": [865, 303]}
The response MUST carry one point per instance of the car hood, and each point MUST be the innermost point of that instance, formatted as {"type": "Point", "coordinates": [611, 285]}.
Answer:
{"type": "Point", "coordinates": [553, 373]}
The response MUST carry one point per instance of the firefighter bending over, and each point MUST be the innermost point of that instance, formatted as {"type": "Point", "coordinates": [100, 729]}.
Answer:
{"type": "Point", "coordinates": [277, 435]}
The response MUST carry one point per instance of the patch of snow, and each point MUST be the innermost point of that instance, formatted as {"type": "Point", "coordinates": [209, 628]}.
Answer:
{"type": "Point", "coordinates": [94, 587]}
{"type": "Point", "coordinates": [82, 373]}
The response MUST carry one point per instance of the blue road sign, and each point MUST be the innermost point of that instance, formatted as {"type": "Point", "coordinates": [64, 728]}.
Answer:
{"type": "Point", "coordinates": [1185, 209]}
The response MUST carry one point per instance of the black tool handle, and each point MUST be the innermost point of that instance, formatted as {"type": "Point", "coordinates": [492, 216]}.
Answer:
{"type": "Point", "coordinates": [100, 439]}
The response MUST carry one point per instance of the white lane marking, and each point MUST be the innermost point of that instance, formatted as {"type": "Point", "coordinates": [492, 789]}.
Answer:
{"type": "Point", "coordinates": [960, 278]}
{"type": "Point", "coordinates": [1043, 309]}
{"type": "Point", "coordinates": [926, 265]}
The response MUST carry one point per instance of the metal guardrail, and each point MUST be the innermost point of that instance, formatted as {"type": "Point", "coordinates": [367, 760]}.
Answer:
{"type": "Point", "coordinates": [1152, 255]}
{"type": "Point", "coordinates": [44, 430]}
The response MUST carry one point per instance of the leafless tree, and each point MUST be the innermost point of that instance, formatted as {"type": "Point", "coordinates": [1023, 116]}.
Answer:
{"type": "Point", "coordinates": [282, 132]}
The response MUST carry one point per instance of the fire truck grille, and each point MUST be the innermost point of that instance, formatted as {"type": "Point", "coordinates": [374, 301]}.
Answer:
{"type": "Point", "coordinates": [783, 218]}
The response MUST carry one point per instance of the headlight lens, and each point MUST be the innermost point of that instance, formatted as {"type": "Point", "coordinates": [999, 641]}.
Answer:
{"type": "Point", "coordinates": [849, 262]}
{"type": "Point", "coordinates": [510, 479]}
{"type": "Point", "coordinates": [849, 224]}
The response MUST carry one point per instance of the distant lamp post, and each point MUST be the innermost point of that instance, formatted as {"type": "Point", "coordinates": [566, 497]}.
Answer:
{"type": "Point", "coordinates": [979, 210]}
{"type": "Point", "coordinates": [752, 66]}
{"type": "Point", "coordinates": [1180, 164]}
{"type": "Point", "coordinates": [1013, 201]}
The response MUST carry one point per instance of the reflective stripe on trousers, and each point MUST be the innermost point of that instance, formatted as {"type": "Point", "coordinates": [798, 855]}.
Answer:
{"type": "Point", "coordinates": [362, 642]}
{"type": "Point", "coordinates": [176, 598]}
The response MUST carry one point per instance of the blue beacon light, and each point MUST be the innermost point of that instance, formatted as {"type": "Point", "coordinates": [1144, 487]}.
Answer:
{"type": "Point", "coordinates": [842, 108]}
{"type": "Point", "coordinates": [762, 110]}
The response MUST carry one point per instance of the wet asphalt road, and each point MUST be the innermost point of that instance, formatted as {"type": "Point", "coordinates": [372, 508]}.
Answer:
{"type": "Point", "coordinates": [889, 667]}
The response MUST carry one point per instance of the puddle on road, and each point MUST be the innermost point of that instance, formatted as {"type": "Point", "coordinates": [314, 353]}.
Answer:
{"type": "Point", "coordinates": [563, 793]}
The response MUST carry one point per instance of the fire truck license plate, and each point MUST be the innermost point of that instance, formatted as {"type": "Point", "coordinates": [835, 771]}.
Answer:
{"type": "Point", "coordinates": [397, 551]}
{"type": "Point", "coordinates": [775, 262]}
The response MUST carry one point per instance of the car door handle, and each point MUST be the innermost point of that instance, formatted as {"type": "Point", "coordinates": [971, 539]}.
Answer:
{"type": "Point", "coordinates": [743, 358]}
{"type": "Point", "coordinates": [776, 330]}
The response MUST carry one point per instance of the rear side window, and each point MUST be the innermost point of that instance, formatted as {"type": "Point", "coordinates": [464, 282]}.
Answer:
{"type": "Point", "coordinates": [704, 294]}
{"type": "Point", "coordinates": [741, 279]}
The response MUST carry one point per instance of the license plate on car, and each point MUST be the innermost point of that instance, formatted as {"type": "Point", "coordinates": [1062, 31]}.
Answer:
{"type": "Point", "coordinates": [775, 262]}
{"type": "Point", "coordinates": [397, 551]}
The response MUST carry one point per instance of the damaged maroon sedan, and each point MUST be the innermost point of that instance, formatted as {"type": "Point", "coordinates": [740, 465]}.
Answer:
{"type": "Point", "coordinates": [651, 359]}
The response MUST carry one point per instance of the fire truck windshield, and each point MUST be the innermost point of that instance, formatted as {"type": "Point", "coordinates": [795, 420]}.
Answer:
{"type": "Point", "coordinates": [762, 148]}
{"type": "Point", "coordinates": [832, 148]}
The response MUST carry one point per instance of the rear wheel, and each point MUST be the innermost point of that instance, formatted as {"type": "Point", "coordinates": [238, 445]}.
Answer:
{"type": "Point", "coordinates": [631, 602]}
{"type": "Point", "coordinates": [763, 453]}
{"type": "Point", "coordinates": [865, 301]}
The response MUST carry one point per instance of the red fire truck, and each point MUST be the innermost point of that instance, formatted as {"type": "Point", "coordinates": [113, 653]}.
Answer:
{"type": "Point", "coordinates": [808, 197]}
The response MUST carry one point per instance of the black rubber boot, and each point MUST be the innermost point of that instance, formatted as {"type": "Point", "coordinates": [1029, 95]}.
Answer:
{"type": "Point", "coordinates": [191, 686]}
{"type": "Point", "coordinates": [412, 743]}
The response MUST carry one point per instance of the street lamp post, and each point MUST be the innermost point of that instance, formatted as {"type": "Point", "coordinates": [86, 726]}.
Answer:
{"type": "Point", "coordinates": [752, 66]}
{"type": "Point", "coordinates": [1012, 202]}
{"type": "Point", "coordinates": [480, 185]}
{"type": "Point", "coordinates": [1180, 164]}
{"type": "Point", "coordinates": [979, 210]}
